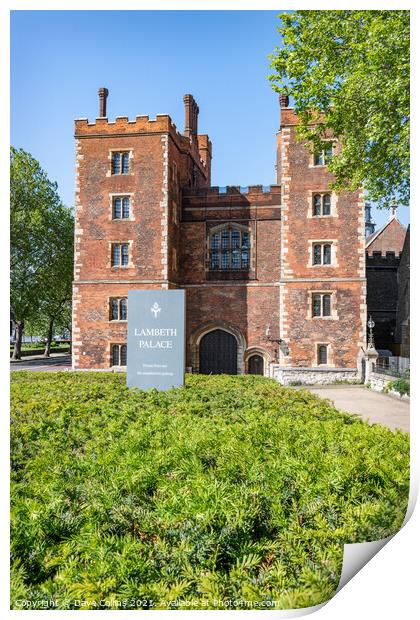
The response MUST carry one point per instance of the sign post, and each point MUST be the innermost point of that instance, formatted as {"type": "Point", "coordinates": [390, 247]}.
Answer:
{"type": "Point", "coordinates": [156, 339]}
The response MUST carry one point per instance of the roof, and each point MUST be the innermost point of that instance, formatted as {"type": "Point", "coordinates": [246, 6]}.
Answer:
{"type": "Point", "coordinates": [371, 238]}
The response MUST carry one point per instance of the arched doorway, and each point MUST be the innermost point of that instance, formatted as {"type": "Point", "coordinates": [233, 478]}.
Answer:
{"type": "Point", "coordinates": [218, 353]}
{"type": "Point", "coordinates": [255, 365]}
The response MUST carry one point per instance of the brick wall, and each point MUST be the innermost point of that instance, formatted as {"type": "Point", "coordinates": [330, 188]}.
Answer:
{"type": "Point", "coordinates": [344, 278]}
{"type": "Point", "coordinates": [389, 238]}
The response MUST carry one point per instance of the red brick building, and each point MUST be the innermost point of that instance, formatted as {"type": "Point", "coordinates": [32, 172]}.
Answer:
{"type": "Point", "coordinates": [274, 277]}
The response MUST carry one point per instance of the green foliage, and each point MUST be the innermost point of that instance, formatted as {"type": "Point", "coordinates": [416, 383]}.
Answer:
{"type": "Point", "coordinates": [402, 386]}
{"type": "Point", "coordinates": [350, 71]}
{"type": "Point", "coordinates": [41, 244]}
{"type": "Point", "coordinates": [228, 489]}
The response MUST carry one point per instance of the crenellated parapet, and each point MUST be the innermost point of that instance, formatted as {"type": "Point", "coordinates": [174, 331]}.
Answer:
{"type": "Point", "coordinates": [383, 259]}
{"type": "Point", "coordinates": [234, 201]}
{"type": "Point", "coordinates": [123, 126]}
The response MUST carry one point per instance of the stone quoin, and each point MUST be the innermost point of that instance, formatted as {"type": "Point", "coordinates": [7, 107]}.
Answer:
{"type": "Point", "coordinates": [274, 277]}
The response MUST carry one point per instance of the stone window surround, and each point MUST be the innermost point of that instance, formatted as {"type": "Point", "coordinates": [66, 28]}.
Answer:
{"type": "Point", "coordinates": [312, 163]}
{"type": "Point", "coordinates": [113, 195]}
{"type": "Point", "coordinates": [218, 228]}
{"type": "Point", "coordinates": [312, 242]}
{"type": "Point", "coordinates": [322, 192]}
{"type": "Point", "coordinates": [130, 254]}
{"type": "Point", "coordinates": [175, 212]}
{"type": "Point", "coordinates": [111, 344]}
{"type": "Point", "coordinates": [109, 307]}
{"type": "Point", "coordinates": [122, 149]}
{"type": "Point", "coordinates": [334, 313]}
{"type": "Point", "coordinates": [330, 358]}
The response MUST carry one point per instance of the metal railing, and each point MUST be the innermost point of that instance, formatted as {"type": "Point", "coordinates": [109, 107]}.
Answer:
{"type": "Point", "coordinates": [393, 366]}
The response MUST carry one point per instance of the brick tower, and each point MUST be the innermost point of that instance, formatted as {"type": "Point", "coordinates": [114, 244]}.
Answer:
{"type": "Point", "coordinates": [322, 275]}
{"type": "Point", "coordinates": [129, 176]}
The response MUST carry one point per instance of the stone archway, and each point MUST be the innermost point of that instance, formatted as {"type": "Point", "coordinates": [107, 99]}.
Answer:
{"type": "Point", "coordinates": [197, 336]}
{"type": "Point", "coordinates": [218, 353]}
{"type": "Point", "coordinates": [250, 361]}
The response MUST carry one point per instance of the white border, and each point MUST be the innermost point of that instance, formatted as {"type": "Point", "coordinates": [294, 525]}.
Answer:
{"type": "Point", "coordinates": [387, 587]}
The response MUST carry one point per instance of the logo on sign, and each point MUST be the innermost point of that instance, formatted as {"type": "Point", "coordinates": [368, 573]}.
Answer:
{"type": "Point", "coordinates": [155, 309]}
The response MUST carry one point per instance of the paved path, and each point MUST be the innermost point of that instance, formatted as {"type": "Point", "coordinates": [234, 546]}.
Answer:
{"type": "Point", "coordinates": [57, 361]}
{"type": "Point", "coordinates": [372, 406]}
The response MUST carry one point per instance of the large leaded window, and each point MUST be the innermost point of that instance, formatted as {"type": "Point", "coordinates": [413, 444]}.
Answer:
{"type": "Point", "coordinates": [230, 249]}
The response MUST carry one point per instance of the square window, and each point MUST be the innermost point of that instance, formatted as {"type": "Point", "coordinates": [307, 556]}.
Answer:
{"type": "Point", "coordinates": [323, 157]}
{"type": "Point", "coordinates": [118, 309]}
{"type": "Point", "coordinates": [119, 355]}
{"type": "Point", "coordinates": [321, 254]}
{"type": "Point", "coordinates": [120, 254]}
{"type": "Point", "coordinates": [120, 163]}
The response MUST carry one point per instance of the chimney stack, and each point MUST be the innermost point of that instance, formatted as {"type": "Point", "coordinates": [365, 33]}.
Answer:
{"type": "Point", "coordinates": [284, 100]}
{"type": "Point", "coordinates": [191, 117]}
{"type": "Point", "coordinates": [103, 94]}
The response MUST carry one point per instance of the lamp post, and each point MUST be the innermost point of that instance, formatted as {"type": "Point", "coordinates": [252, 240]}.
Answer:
{"type": "Point", "coordinates": [371, 325]}
{"type": "Point", "coordinates": [371, 355]}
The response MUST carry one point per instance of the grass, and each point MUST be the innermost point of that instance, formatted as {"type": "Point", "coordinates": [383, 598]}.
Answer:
{"type": "Point", "coordinates": [229, 490]}
{"type": "Point", "coordinates": [29, 346]}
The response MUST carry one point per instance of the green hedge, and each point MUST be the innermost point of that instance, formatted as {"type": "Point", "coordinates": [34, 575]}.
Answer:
{"type": "Point", "coordinates": [230, 490]}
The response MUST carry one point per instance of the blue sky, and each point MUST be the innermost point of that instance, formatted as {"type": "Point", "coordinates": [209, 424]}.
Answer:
{"type": "Point", "coordinates": [148, 60]}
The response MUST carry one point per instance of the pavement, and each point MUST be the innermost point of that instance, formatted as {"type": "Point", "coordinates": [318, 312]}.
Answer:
{"type": "Point", "coordinates": [375, 407]}
{"type": "Point", "coordinates": [57, 361]}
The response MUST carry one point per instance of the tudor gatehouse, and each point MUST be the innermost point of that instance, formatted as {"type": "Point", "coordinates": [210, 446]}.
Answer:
{"type": "Point", "coordinates": [274, 276]}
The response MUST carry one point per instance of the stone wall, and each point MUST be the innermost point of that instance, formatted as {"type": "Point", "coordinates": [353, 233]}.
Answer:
{"type": "Point", "coordinates": [314, 376]}
{"type": "Point", "coordinates": [380, 382]}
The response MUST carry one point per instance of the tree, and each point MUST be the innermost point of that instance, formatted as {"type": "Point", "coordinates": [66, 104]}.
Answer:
{"type": "Point", "coordinates": [348, 71]}
{"type": "Point", "coordinates": [54, 308]}
{"type": "Point", "coordinates": [40, 240]}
